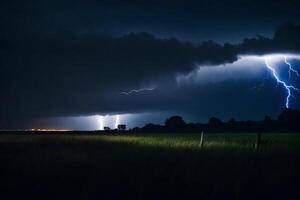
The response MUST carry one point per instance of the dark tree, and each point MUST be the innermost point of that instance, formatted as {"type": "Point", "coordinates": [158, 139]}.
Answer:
{"type": "Point", "coordinates": [106, 128]}
{"type": "Point", "coordinates": [153, 128]}
{"type": "Point", "coordinates": [267, 124]}
{"type": "Point", "coordinates": [175, 123]}
{"type": "Point", "coordinates": [122, 127]}
{"type": "Point", "coordinates": [290, 119]}
{"type": "Point", "coordinates": [267, 119]}
{"type": "Point", "coordinates": [214, 121]}
{"type": "Point", "coordinates": [232, 121]}
{"type": "Point", "coordinates": [290, 116]}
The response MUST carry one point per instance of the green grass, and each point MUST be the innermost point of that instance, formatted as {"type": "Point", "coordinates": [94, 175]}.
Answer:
{"type": "Point", "coordinates": [284, 141]}
{"type": "Point", "coordinates": [150, 166]}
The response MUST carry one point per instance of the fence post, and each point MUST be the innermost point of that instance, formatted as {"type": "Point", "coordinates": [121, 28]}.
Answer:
{"type": "Point", "coordinates": [202, 139]}
{"type": "Point", "coordinates": [258, 140]}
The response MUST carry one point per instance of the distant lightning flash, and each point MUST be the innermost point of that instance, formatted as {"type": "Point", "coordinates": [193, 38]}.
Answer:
{"type": "Point", "coordinates": [137, 91]}
{"type": "Point", "coordinates": [101, 122]}
{"type": "Point", "coordinates": [288, 88]}
{"type": "Point", "coordinates": [117, 121]}
{"type": "Point", "coordinates": [291, 69]}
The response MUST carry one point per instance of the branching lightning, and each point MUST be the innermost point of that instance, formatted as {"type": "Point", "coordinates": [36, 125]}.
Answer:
{"type": "Point", "coordinates": [137, 91]}
{"type": "Point", "coordinates": [291, 69]}
{"type": "Point", "coordinates": [289, 88]}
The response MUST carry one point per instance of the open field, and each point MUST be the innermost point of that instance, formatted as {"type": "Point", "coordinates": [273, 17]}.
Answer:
{"type": "Point", "coordinates": [150, 166]}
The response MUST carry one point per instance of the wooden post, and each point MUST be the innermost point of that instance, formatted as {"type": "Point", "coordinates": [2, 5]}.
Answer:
{"type": "Point", "coordinates": [202, 139]}
{"type": "Point", "coordinates": [258, 140]}
{"type": "Point", "coordinates": [256, 148]}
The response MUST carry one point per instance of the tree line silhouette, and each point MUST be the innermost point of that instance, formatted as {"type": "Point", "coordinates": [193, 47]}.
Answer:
{"type": "Point", "coordinates": [288, 120]}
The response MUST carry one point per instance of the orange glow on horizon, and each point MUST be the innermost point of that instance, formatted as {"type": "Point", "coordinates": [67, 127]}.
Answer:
{"type": "Point", "coordinates": [49, 129]}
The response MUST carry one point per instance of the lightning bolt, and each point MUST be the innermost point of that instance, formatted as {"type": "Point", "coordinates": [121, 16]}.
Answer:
{"type": "Point", "coordinates": [291, 69]}
{"type": "Point", "coordinates": [101, 122]}
{"type": "Point", "coordinates": [137, 91]}
{"type": "Point", "coordinates": [117, 121]}
{"type": "Point", "coordinates": [288, 88]}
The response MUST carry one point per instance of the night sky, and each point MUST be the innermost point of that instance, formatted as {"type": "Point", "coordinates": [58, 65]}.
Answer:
{"type": "Point", "coordinates": [64, 63]}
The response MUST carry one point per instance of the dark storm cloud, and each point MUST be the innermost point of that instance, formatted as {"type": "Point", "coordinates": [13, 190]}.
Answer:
{"type": "Point", "coordinates": [194, 20]}
{"type": "Point", "coordinates": [66, 73]}
{"type": "Point", "coordinates": [285, 39]}
{"type": "Point", "coordinates": [62, 58]}
{"type": "Point", "coordinates": [69, 74]}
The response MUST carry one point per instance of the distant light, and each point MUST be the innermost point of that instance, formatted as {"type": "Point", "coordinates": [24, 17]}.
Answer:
{"type": "Point", "coordinates": [101, 123]}
{"type": "Point", "coordinates": [117, 122]}
{"type": "Point", "coordinates": [49, 130]}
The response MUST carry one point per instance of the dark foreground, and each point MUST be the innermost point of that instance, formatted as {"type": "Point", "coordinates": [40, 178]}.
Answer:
{"type": "Point", "coordinates": [53, 166]}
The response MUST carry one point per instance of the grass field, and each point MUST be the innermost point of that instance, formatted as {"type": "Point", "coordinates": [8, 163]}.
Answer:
{"type": "Point", "coordinates": [149, 166]}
